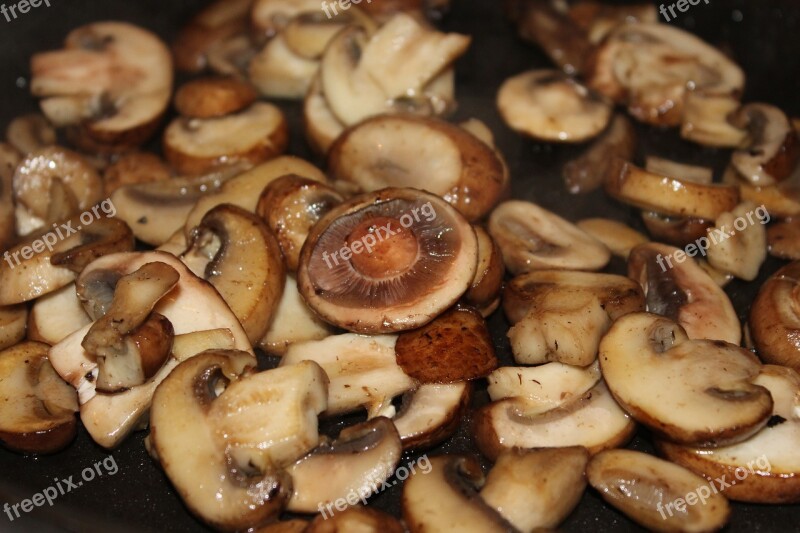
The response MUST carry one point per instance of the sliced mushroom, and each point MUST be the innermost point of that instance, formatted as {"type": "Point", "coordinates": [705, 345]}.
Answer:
{"type": "Point", "coordinates": [484, 293]}
{"type": "Point", "coordinates": [9, 159]}
{"type": "Point", "coordinates": [37, 409]}
{"type": "Point", "coordinates": [679, 289]}
{"type": "Point", "coordinates": [293, 322]}
{"type": "Point", "coordinates": [231, 56]}
{"type": "Point", "coordinates": [746, 250]}
{"type": "Point", "coordinates": [536, 489]}
{"type": "Point", "coordinates": [308, 34]}
{"type": "Point", "coordinates": [362, 371]}
{"type": "Point", "coordinates": [387, 261]}
{"type": "Point", "coordinates": [683, 171]}
{"type": "Point", "coordinates": [290, 206]}
{"type": "Point", "coordinates": [619, 238]}
{"type": "Point", "coordinates": [13, 323]}
{"type": "Point", "coordinates": [593, 420]}
{"type": "Point", "coordinates": [213, 97]}
{"type": "Point", "coordinates": [652, 67]}
{"type": "Point", "coordinates": [357, 462]}
{"type": "Point", "coordinates": [133, 168]}
{"type": "Point", "coordinates": [651, 492]}
{"type": "Point", "coordinates": [235, 251]}
{"type": "Point", "coordinates": [532, 238]}
{"type": "Point", "coordinates": [111, 82]}
{"type": "Point", "coordinates": [720, 278]}
{"type": "Point", "coordinates": [255, 134]}
{"type": "Point", "coordinates": [322, 127]}
{"type": "Point", "coordinates": [30, 133]}
{"type": "Point", "coordinates": [54, 316]}
{"type": "Point", "coordinates": [773, 149]}
{"type": "Point", "coordinates": [781, 200]}
{"type": "Point", "coordinates": [354, 518]}
{"type": "Point", "coordinates": [764, 468]}
{"type": "Point", "coordinates": [775, 318]}
{"type": "Point", "coordinates": [278, 71]}
{"type": "Point", "coordinates": [431, 413]}
{"type": "Point", "coordinates": [598, 18]}
{"type": "Point", "coordinates": [784, 239]}
{"type": "Point", "coordinates": [677, 231]}
{"type": "Point", "coordinates": [706, 120]}
{"type": "Point", "coordinates": [445, 498]}
{"type": "Point", "coordinates": [422, 153]}
{"type": "Point", "coordinates": [549, 105]}
{"type": "Point", "coordinates": [271, 16]}
{"type": "Point", "coordinates": [696, 392]}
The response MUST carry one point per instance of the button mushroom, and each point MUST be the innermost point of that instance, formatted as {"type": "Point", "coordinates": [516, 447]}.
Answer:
{"type": "Point", "coordinates": [387, 261]}
{"type": "Point", "coordinates": [617, 237]}
{"type": "Point", "coordinates": [775, 319]}
{"type": "Point", "coordinates": [697, 392]}
{"type": "Point", "coordinates": [37, 409]}
{"type": "Point", "coordinates": [532, 238]}
{"type": "Point", "coordinates": [111, 82]}
{"type": "Point", "coordinates": [773, 149]}
{"type": "Point", "coordinates": [746, 250]}
{"type": "Point", "coordinates": [132, 168]}
{"type": "Point", "coordinates": [213, 97]}
{"type": "Point", "coordinates": [431, 413]}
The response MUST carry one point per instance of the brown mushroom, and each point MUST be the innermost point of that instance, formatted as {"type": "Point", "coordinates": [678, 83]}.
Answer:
{"type": "Point", "coordinates": [213, 97]}
{"type": "Point", "coordinates": [133, 168]}
{"type": "Point", "coordinates": [773, 149]}
{"type": "Point", "coordinates": [677, 231]}
{"type": "Point", "coordinates": [484, 293]}
{"type": "Point", "coordinates": [775, 319]}
{"type": "Point", "coordinates": [13, 323]}
{"type": "Point", "coordinates": [599, 18]}
{"type": "Point", "coordinates": [30, 133]}
{"type": "Point", "coordinates": [9, 159]}
{"type": "Point", "coordinates": [707, 120]}
{"type": "Point", "coordinates": [784, 239]}
{"type": "Point", "coordinates": [618, 237]}
{"type": "Point", "coordinates": [431, 413]}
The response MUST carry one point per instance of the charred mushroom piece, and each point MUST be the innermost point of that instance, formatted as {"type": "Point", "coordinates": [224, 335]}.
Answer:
{"type": "Point", "coordinates": [587, 172]}
{"type": "Point", "coordinates": [773, 149]}
{"type": "Point", "coordinates": [488, 282]}
{"type": "Point", "coordinates": [680, 290]}
{"type": "Point", "coordinates": [646, 489]}
{"type": "Point", "coordinates": [784, 239]}
{"type": "Point", "coordinates": [696, 392]}
{"type": "Point", "coordinates": [252, 135]}
{"type": "Point", "coordinates": [387, 261]}
{"type": "Point", "coordinates": [775, 318]}
{"type": "Point", "coordinates": [30, 133]}
{"type": "Point", "coordinates": [454, 347]}
{"type": "Point", "coordinates": [532, 238]}
{"type": "Point", "coordinates": [677, 231]}
{"type": "Point", "coordinates": [111, 82]}
{"type": "Point", "coordinates": [746, 250]}
{"type": "Point", "coordinates": [765, 468]}
{"type": "Point", "coordinates": [357, 462]}
{"type": "Point", "coordinates": [290, 206]}
{"type": "Point", "coordinates": [706, 120]}
{"type": "Point", "coordinates": [431, 413]}
{"type": "Point", "coordinates": [362, 370]}
{"type": "Point", "coordinates": [37, 409]}
{"type": "Point", "coordinates": [133, 168]}
{"type": "Point", "coordinates": [619, 238]}
{"type": "Point", "coordinates": [536, 489]}
{"type": "Point", "coordinates": [422, 153]}
{"type": "Point", "coordinates": [213, 97]}
{"type": "Point", "coordinates": [550, 106]}
{"type": "Point", "coordinates": [445, 498]}
{"type": "Point", "coordinates": [235, 251]}
{"type": "Point", "coordinates": [13, 323]}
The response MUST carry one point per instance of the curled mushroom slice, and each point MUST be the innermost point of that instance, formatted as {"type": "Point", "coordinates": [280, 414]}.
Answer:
{"type": "Point", "coordinates": [532, 238]}
{"type": "Point", "coordinates": [13, 324]}
{"type": "Point", "coordinates": [746, 250]}
{"type": "Point", "coordinates": [679, 289]}
{"type": "Point", "coordinates": [112, 82]}
{"type": "Point", "coordinates": [195, 146]}
{"type": "Point", "coordinates": [652, 67]}
{"type": "Point", "coordinates": [37, 409]}
{"type": "Point", "coordinates": [213, 97]}
{"type": "Point", "coordinates": [387, 261]}
{"type": "Point", "coordinates": [357, 462]}
{"type": "Point", "coordinates": [764, 468]}
{"type": "Point", "coordinates": [278, 71]}
{"type": "Point", "coordinates": [445, 498]}
{"type": "Point", "coordinates": [54, 316]}
{"type": "Point", "coordinates": [775, 319]}
{"type": "Point", "coordinates": [239, 256]}
{"type": "Point", "coordinates": [423, 153]}
{"type": "Point", "coordinates": [431, 413]}
{"type": "Point", "coordinates": [550, 106]}
{"type": "Point", "coordinates": [619, 238]}
{"type": "Point", "coordinates": [706, 120]}
{"type": "Point", "coordinates": [651, 492]}
{"type": "Point", "coordinates": [30, 133]}
{"type": "Point", "coordinates": [593, 420]}
{"type": "Point", "coordinates": [696, 392]}
{"type": "Point", "coordinates": [784, 239]}
{"type": "Point", "coordinates": [362, 371]}
{"type": "Point", "coordinates": [668, 195]}
{"type": "Point", "coordinates": [587, 172]}
{"type": "Point", "coordinates": [132, 168]}
{"type": "Point", "coordinates": [773, 149]}
{"type": "Point", "coordinates": [290, 206]}
{"type": "Point", "coordinates": [536, 489]}
{"type": "Point", "coordinates": [485, 290]}
{"type": "Point", "coordinates": [677, 231]}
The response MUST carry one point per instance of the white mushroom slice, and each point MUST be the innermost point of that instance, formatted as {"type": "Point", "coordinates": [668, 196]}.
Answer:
{"type": "Point", "coordinates": [357, 462]}
{"type": "Point", "coordinates": [445, 498]}
{"type": "Point", "coordinates": [706, 120]}
{"type": "Point", "coordinates": [278, 72]}
{"type": "Point", "coordinates": [362, 370]}
{"type": "Point", "coordinates": [766, 467]}
{"type": "Point", "coordinates": [308, 34]}
{"type": "Point", "coordinates": [746, 250]}
{"type": "Point", "coordinates": [13, 323]}
{"type": "Point", "coordinates": [594, 421]}
{"type": "Point", "coordinates": [677, 288]}
{"type": "Point", "coordinates": [271, 16]}
{"type": "Point", "coordinates": [536, 489]}
{"type": "Point", "coordinates": [651, 492]}
{"type": "Point", "coordinates": [294, 322]}
{"type": "Point", "coordinates": [543, 388]}
{"type": "Point", "coordinates": [551, 106]}
{"type": "Point", "coordinates": [682, 171]}
{"type": "Point", "coordinates": [113, 81]}
{"type": "Point", "coordinates": [321, 125]}
{"type": "Point", "coordinates": [618, 237]}
{"type": "Point", "coordinates": [720, 278]}
{"type": "Point", "coordinates": [773, 149]}
{"type": "Point", "coordinates": [431, 413]}
{"type": "Point", "coordinates": [652, 67]}
{"type": "Point", "coordinates": [54, 316]}
{"type": "Point", "coordinates": [696, 392]}
{"type": "Point", "coordinates": [30, 133]}
{"type": "Point", "coordinates": [255, 134]}
{"type": "Point", "coordinates": [532, 238]}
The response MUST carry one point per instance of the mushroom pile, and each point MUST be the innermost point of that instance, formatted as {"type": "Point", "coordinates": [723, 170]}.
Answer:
{"type": "Point", "coordinates": [288, 333]}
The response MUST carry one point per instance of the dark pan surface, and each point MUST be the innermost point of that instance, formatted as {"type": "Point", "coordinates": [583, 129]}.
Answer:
{"type": "Point", "coordinates": [763, 36]}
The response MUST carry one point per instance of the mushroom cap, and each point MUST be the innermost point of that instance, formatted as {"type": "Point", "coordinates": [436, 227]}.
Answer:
{"type": "Point", "coordinates": [775, 318]}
